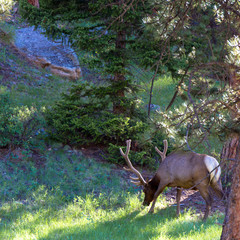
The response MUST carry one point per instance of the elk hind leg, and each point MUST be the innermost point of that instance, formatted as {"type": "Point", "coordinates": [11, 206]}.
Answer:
{"type": "Point", "coordinates": [179, 192]}
{"type": "Point", "coordinates": [204, 191]}
{"type": "Point", "coordinates": [217, 187]}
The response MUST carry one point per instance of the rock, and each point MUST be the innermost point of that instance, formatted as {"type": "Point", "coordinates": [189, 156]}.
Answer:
{"type": "Point", "coordinates": [41, 62]}
{"type": "Point", "coordinates": [154, 107]}
{"type": "Point", "coordinates": [60, 59]}
{"type": "Point", "coordinates": [70, 73]}
{"type": "Point", "coordinates": [67, 148]}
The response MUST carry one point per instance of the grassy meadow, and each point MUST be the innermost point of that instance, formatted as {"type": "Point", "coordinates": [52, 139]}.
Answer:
{"type": "Point", "coordinates": [58, 193]}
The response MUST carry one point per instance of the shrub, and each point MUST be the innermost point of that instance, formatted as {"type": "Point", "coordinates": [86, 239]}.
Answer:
{"type": "Point", "coordinates": [142, 157]}
{"type": "Point", "coordinates": [142, 151]}
{"type": "Point", "coordinates": [83, 117]}
{"type": "Point", "coordinates": [17, 124]}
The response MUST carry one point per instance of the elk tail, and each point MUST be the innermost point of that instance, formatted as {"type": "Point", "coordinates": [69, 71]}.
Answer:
{"type": "Point", "coordinates": [213, 168]}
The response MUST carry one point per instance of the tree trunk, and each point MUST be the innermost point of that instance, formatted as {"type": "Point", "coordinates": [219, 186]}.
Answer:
{"type": "Point", "coordinates": [120, 48]}
{"type": "Point", "coordinates": [231, 226]}
{"type": "Point", "coordinates": [231, 150]}
{"type": "Point", "coordinates": [34, 3]}
{"type": "Point", "coordinates": [117, 107]}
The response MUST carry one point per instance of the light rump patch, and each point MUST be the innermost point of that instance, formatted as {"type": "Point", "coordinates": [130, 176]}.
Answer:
{"type": "Point", "coordinates": [212, 163]}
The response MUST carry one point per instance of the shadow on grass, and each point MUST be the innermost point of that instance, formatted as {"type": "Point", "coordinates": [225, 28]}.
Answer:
{"type": "Point", "coordinates": [132, 226]}
{"type": "Point", "coordinates": [49, 205]}
{"type": "Point", "coordinates": [127, 227]}
{"type": "Point", "coordinates": [191, 227]}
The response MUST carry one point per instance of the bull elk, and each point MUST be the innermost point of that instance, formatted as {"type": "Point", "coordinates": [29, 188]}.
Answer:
{"type": "Point", "coordinates": [181, 170]}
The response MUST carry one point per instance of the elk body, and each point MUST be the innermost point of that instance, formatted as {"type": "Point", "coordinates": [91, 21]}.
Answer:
{"type": "Point", "coordinates": [181, 170]}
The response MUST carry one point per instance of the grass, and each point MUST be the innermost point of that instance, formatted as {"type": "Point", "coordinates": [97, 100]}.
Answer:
{"type": "Point", "coordinates": [45, 92]}
{"type": "Point", "coordinates": [77, 198]}
{"type": "Point", "coordinates": [75, 221]}
{"type": "Point", "coordinates": [164, 87]}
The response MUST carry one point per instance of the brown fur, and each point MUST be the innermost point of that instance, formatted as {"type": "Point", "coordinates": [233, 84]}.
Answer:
{"type": "Point", "coordinates": [182, 170]}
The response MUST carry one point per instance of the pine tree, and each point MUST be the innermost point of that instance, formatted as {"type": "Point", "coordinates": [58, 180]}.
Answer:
{"type": "Point", "coordinates": [6, 6]}
{"type": "Point", "coordinates": [105, 29]}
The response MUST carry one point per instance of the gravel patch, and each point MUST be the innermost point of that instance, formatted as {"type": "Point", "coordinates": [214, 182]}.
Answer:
{"type": "Point", "coordinates": [34, 43]}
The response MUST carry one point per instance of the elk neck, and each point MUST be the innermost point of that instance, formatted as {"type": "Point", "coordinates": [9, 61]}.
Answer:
{"type": "Point", "coordinates": [154, 183]}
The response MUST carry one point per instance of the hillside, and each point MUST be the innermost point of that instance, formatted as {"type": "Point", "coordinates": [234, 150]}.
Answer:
{"type": "Point", "coordinates": [15, 69]}
{"type": "Point", "coordinates": [50, 191]}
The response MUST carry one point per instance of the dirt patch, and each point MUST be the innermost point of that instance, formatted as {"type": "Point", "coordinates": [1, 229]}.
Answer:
{"type": "Point", "coordinates": [191, 199]}
{"type": "Point", "coordinates": [19, 155]}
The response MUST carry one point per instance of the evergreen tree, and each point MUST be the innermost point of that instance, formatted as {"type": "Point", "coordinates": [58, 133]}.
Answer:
{"type": "Point", "coordinates": [187, 39]}
{"type": "Point", "coordinates": [105, 29]}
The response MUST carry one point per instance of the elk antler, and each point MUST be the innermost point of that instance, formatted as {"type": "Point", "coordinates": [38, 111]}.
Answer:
{"type": "Point", "coordinates": [163, 154]}
{"type": "Point", "coordinates": [139, 180]}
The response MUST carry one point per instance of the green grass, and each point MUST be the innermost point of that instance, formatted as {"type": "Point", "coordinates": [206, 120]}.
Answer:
{"type": "Point", "coordinates": [43, 94]}
{"type": "Point", "coordinates": [163, 90]}
{"type": "Point", "coordinates": [85, 219]}
{"type": "Point", "coordinates": [77, 198]}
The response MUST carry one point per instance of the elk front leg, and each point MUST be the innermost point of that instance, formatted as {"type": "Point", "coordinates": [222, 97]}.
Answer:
{"type": "Point", "coordinates": [179, 192]}
{"type": "Point", "coordinates": [157, 193]}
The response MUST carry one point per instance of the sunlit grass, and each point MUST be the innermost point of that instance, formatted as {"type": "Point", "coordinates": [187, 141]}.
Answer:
{"type": "Point", "coordinates": [164, 88]}
{"type": "Point", "coordinates": [79, 198]}
{"type": "Point", "coordinates": [87, 218]}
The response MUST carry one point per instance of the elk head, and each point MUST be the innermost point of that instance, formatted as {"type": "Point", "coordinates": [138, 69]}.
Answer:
{"type": "Point", "coordinates": [149, 187]}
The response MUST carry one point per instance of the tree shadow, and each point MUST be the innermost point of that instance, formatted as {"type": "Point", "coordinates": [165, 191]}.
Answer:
{"type": "Point", "coordinates": [132, 226]}
{"type": "Point", "coordinates": [135, 225]}
{"type": "Point", "coordinates": [190, 226]}
{"type": "Point", "coordinates": [15, 210]}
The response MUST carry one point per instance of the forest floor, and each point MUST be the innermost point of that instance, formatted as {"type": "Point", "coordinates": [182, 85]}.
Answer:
{"type": "Point", "coordinates": [17, 68]}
